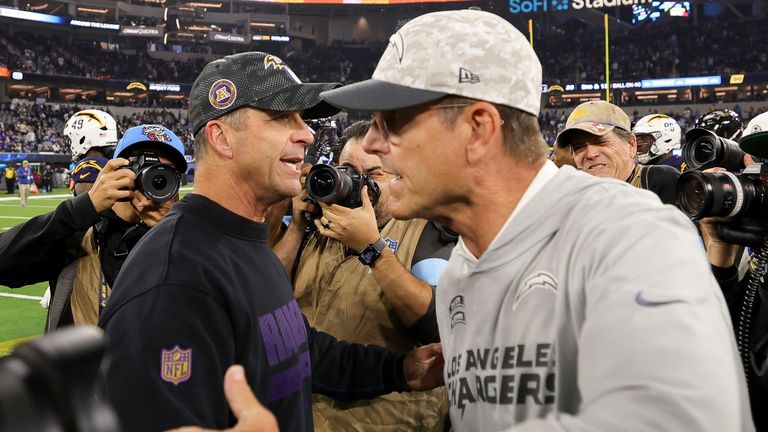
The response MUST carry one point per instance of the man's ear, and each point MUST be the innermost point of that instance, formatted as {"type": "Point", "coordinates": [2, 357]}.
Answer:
{"type": "Point", "coordinates": [218, 137]}
{"type": "Point", "coordinates": [485, 131]}
{"type": "Point", "coordinates": [632, 146]}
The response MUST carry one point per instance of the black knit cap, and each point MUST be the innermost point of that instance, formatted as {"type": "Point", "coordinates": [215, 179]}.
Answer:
{"type": "Point", "coordinates": [254, 79]}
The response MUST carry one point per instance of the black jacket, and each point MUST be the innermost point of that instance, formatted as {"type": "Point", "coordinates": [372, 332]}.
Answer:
{"type": "Point", "coordinates": [754, 322]}
{"type": "Point", "coordinates": [39, 249]}
{"type": "Point", "coordinates": [203, 291]}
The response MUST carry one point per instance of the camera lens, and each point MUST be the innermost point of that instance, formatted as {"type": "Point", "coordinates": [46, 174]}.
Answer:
{"type": "Point", "coordinates": [158, 182]}
{"type": "Point", "coordinates": [323, 183]}
{"type": "Point", "coordinates": [727, 194]}
{"type": "Point", "coordinates": [692, 195]}
{"type": "Point", "coordinates": [329, 185]}
{"type": "Point", "coordinates": [704, 149]}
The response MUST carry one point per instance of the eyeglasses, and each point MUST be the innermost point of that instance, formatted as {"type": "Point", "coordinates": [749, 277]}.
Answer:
{"type": "Point", "coordinates": [392, 122]}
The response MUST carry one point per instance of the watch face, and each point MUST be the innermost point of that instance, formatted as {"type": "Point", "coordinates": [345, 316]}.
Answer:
{"type": "Point", "coordinates": [367, 256]}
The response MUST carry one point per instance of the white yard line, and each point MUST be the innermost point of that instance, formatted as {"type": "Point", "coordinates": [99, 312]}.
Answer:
{"type": "Point", "coordinates": [21, 296]}
{"type": "Point", "coordinates": [15, 217]}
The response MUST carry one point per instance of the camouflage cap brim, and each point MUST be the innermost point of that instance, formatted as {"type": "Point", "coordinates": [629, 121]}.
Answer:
{"type": "Point", "coordinates": [376, 95]}
{"type": "Point", "coordinates": [563, 139]}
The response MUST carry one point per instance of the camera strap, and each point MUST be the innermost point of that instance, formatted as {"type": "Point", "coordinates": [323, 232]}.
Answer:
{"type": "Point", "coordinates": [103, 293]}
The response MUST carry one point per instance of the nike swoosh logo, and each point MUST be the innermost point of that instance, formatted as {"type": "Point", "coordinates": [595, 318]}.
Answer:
{"type": "Point", "coordinates": [650, 303]}
{"type": "Point", "coordinates": [82, 176]}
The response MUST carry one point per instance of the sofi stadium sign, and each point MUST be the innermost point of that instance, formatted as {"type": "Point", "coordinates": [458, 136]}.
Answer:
{"type": "Point", "coordinates": [529, 6]}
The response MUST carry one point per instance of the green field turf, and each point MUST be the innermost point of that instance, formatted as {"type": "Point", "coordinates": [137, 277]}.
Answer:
{"type": "Point", "coordinates": [23, 318]}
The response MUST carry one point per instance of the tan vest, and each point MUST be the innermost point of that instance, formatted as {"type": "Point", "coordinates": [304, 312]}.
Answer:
{"type": "Point", "coordinates": [87, 283]}
{"type": "Point", "coordinates": [340, 296]}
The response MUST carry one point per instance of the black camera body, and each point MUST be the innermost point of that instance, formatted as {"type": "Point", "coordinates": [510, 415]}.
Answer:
{"type": "Point", "coordinates": [340, 186]}
{"type": "Point", "coordinates": [54, 384]}
{"type": "Point", "coordinates": [158, 181]}
{"type": "Point", "coordinates": [704, 149]}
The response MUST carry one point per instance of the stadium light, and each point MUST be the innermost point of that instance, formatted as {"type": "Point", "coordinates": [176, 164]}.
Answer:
{"type": "Point", "coordinates": [206, 5]}
{"type": "Point", "coordinates": [91, 10]}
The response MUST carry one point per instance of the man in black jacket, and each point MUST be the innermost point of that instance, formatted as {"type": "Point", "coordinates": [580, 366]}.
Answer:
{"type": "Point", "coordinates": [203, 290]}
{"type": "Point", "coordinates": [80, 247]}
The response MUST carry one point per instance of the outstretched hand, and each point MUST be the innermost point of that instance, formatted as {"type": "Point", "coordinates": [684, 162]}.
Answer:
{"type": "Point", "coordinates": [423, 367]}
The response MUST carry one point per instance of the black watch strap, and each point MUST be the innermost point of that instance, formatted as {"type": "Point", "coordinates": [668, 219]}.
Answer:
{"type": "Point", "coordinates": [372, 252]}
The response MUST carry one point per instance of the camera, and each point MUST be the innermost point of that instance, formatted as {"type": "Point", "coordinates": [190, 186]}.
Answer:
{"type": "Point", "coordinates": [157, 180]}
{"type": "Point", "coordinates": [52, 383]}
{"type": "Point", "coordinates": [340, 185]}
{"type": "Point", "coordinates": [726, 194]}
{"type": "Point", "coordinates": [704, 149]}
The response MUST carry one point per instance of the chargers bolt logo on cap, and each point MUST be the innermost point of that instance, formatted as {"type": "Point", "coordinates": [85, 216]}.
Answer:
{"type": "Point", "coordinates": [222, 94]}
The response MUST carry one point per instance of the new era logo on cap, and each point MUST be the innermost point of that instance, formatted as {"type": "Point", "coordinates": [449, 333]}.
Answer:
{"type": "Point", "coordinates": [466, 76]}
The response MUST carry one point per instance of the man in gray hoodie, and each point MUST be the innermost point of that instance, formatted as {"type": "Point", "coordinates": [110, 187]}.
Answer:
{"type": "Point", "coordinates": [556, 312]}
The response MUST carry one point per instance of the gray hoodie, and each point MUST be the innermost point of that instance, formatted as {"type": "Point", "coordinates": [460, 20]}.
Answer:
{"type": "Point", "coordinates": [594, 309]}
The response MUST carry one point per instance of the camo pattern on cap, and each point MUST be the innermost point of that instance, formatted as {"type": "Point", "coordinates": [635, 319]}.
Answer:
{"type": "Point", "coordinates": [466, 53]}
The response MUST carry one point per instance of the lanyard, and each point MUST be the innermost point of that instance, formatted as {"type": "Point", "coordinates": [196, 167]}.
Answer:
{"type": "Point", "coordinates": [103, 293]}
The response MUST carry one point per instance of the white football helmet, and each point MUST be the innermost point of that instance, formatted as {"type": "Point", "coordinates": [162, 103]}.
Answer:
{"type": "Point", "coordinates": [664, 131]}
{"type": "Point", "coordinates": [88, 129]}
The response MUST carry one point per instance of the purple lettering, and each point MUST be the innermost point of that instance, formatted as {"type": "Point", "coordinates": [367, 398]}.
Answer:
{"type": "Point", "coordinates": [273, 343]}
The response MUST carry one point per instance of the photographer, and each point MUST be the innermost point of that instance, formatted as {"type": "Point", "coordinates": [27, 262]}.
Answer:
{"type": "Point", "coordinates": [602, 144]}
{"type": "Point", "coordinates": [80, 247]}
{"type": "Point", "coordinates": [747, 297]}
{"type": "Point", "coordinates": [387, 300]}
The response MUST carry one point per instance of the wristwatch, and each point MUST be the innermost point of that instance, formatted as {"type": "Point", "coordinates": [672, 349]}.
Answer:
{"type": "Point", "coordinates": [372, 252]}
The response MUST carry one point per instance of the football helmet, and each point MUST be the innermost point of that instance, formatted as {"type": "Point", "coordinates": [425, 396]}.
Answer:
{"type": "Point", "coordinates": [90, 129]}
{"type": "Point", "coordinates": [723, 122]}
{"type": "Point", "coordinates": [657, 134]}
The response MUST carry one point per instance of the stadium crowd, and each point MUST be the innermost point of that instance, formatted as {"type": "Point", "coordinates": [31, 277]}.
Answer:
{"type": "Point", "coordinates": [32, 128]}
{"type": "Point", "coordinates": [665, 49]}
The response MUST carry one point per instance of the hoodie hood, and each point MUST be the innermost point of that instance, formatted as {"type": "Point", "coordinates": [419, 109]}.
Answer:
{"type": "Point", "coordinates": [539, 220]}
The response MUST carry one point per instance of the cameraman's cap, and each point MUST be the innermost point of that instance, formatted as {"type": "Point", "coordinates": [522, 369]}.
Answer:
{"type": "Point", "coordinates": [153, 137]}
{"type": "Point", "coordinates": [88, 169]}
{"type": "Point", "coordinates": [754, 139]}
{"type": "Point", "coordinates": [254, 79]}
{"type": "Point", "coordinates": [595, 117]}
{"type": "Point", "coordinates": [466, 53]}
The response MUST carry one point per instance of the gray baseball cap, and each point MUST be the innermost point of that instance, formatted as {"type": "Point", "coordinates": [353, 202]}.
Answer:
{"type": "Point", "coordinates": [466, 53]}
{"type": "Point", "coordinates": [254, 79]}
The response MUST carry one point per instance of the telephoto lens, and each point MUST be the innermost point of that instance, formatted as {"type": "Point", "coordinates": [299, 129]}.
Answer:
{"type": "Point", "coordinates": [327, 184]}
{"type": "Point", "coordinates": [703, 149]}
{"type": "Point", "coordinates": [701, 194]}
{"type": "Point", "coordinates": [340, 186]}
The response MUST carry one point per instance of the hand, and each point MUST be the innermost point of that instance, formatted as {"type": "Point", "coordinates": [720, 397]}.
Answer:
{"type": "Point", "coordinates": [151, 212]}
{"type": "Point", "coordinates": [251, 415]}
{"type": "Point", "coordinates": [111, 185]}
{"type": "Point", "coordinates": [423, 367]}
{"type": "Point", "coordinates": [301, 203]}
{"type": "Point", "coordinates": [355, 228]}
